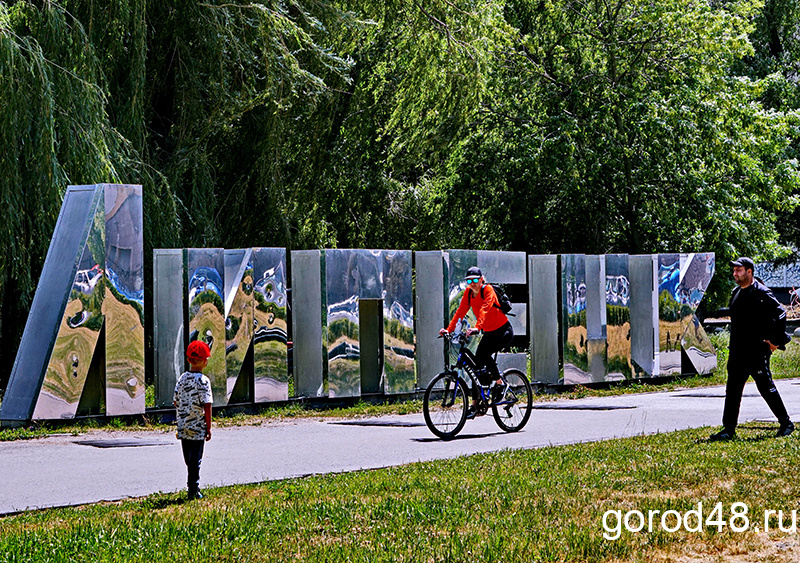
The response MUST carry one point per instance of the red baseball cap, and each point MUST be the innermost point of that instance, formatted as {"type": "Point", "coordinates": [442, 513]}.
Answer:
{"type": "Point", "coordinates": [197, 351]}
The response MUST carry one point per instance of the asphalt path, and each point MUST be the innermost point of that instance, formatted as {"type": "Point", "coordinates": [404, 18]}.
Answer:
{"type": "Point", "coordinates": [66, 470]}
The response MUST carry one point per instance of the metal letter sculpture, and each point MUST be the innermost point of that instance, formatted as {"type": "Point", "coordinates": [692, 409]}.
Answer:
{"type": "Point", "coordinates": [238, 323]}
{"type": "Point", "coordinates": [684, 345]}
{"type": "Point", "coordinates": [270, 326]}
{"type": "Point", "coordinates": [352, 276]}
{"type": "Point", "coordinates": [90, 292]}
{"type": "Point", "coordinates": [82, 351]}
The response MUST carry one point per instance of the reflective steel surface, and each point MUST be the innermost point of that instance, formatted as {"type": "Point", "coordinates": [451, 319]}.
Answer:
{"type": "Point", "coordinates": [499, 266]}
{"type": "Point", "coordinates": [543, 315]}
{"type": "Point", "coordinates": [355, 274]}
{"type": "Point", "coordinates": [47, 309]}
{"type": "Point", "coordinates": [670, 326]}
{"type": "Point", "coordinates": [621, 316]}
{"type": "Point", "coordinates": [683, 280]}
{"type": "Point", "coordinates": [457, 263]}
{"type": "Point", "coordinates": [169, 299]}
{"type": "Point", "coordinates": [618, 317]}
{"type": "Point", "coordinates": [205, 268]}
{"type": "Point", "coordinates": [573, 292]}
{"type": "Point", "coordinates": [239, 282]}
{"type": "Point", "coordinates": [430, 310]}
{"type": "Point", "coordinates": [643, 271]}
{"type": "Point", "coordinates": [80, 326]}
{"type": "Point", "coordinates": [270, 352]}
{"type": "Point", "coordinates": [398, 322]}
{"type": "Point", "coordinates": [124, 301]}
{"type": "Point", "coordinates": [696, 273]}
{"type": "Point", "coordinates": [307, 311]}
{"type": "Point", "coordinates": [349, 275]}
{"type": "Point", "coordinates": [596, 327]}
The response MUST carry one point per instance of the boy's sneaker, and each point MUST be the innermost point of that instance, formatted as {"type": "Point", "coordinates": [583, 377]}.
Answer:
{"type": "Point", "coordinates": [785, 429]}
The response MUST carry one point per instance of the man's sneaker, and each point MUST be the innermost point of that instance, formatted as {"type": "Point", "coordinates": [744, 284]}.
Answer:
{"type": "Point", "coordinates": [471, 412]}
{"type": "Point", "coordinates": [785, 429]}
{"type": "Point", "coordinates": [722, 436]}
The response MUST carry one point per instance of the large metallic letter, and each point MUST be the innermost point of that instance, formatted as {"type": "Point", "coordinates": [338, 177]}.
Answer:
{"type": "Point", "coordinates": [543, 292]}
{"type": "Point", "coordinates": [644, 314]}
{"type": "Point", "coordinates": [684, 345]}
{"type": "Point", "coordinates": [574, 333]}
{"type": "Point", "coordinates": [355, 275]}
{"type": "Point", "coordinates": [80, 327]}
{"type": "Point", "coordinates": [124, 301]}
{"type": "Point", "coordinates": [91, 287]}
{"type": "Point", "coordinates": [618, 318]}
{"type": "Point", "coordinates": [204, 285]}
{"type": "Point", "coordinates": [238, 323]}
{"type": "Point", "coordinates": [430, 306]}
{"type": "Point", "coordinates": [168, 319]}
{"type": "Point", "coordinates": [307, 310]}
{"type": "Point", "coordinates": [271, 325]}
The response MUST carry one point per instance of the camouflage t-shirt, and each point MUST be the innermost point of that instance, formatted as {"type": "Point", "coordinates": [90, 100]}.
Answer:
{"type": "Point", "coordinates": [192, 391]}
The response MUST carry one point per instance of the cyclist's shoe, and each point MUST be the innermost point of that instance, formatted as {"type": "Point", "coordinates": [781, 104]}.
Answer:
{"type": "Point", "coordinates": [498, 392]}
{"type": "Point", "coordinates": [472, 412]}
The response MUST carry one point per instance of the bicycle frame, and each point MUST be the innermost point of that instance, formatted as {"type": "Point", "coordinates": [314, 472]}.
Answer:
{"type": "Point", "coordinates": [466, 362]}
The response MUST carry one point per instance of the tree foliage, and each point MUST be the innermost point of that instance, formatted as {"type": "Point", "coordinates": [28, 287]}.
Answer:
{"type": "Point", "coordinates": [539, 125]}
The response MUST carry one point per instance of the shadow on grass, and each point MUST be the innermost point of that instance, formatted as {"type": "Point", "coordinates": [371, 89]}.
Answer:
{"type": "Point", "coordinates": [768, 433]}
{"type": "Point", "coordinates": [162, 501]}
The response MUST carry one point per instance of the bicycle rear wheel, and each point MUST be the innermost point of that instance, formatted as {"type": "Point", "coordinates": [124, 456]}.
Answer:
{"type": "Point", "coordinates": [512, 411]}
{"type": "Point", "coordinates": [445, 405]}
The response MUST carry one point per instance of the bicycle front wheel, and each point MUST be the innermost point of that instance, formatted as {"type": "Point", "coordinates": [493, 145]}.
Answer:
{"type": "Point", "coordinates": [512, 411]}
{"type": "Point", "coordinates": [445, 405]}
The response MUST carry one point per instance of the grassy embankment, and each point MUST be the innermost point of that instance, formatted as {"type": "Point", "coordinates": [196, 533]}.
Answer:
{"type": "Point", "coordinates": [539, 505]}
{"type": "Point", "coordinates": [535, 505]}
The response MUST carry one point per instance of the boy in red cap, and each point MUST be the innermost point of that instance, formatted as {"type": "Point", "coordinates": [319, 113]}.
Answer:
{"type": "Point", "coordinates": [192, 400]}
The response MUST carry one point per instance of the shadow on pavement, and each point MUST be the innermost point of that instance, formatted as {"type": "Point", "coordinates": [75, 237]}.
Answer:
{"type": "Point", "coordinates": [459, 437]}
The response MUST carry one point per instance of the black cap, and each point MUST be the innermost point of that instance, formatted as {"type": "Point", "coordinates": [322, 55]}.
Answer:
{"type": "Point", "coordinates": [745, 262]}
{"type": "Point", "coordinates": [474, 271]}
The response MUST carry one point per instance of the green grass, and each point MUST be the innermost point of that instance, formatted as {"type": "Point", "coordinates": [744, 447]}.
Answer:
{"type": "Point", "coordinates": [534, 505]}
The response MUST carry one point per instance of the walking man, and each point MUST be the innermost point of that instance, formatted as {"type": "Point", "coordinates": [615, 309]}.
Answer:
{"type": "Point", "coordinates": [758, 328]}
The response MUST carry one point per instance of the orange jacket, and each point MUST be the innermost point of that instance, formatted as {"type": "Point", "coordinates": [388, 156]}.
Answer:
{"type": "Point", "coordinates": [486, 308]}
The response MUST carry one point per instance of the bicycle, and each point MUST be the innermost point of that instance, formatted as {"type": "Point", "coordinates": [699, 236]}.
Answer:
{"type": "Point", "coordinates": [445, 403]}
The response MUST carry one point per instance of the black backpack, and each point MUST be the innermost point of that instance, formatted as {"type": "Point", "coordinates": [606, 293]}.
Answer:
{"type": "Point", "coordinates": [502, 298]}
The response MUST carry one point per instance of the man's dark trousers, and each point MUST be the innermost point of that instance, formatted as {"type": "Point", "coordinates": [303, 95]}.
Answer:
{"type": "Point", "coordinates": [737, 377]}
{"type": "Point", "coordinates": [193, 456]}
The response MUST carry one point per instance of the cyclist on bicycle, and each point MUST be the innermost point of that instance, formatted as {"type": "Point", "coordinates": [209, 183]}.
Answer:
{"type": "Point", "coordinates": [490, 319]}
